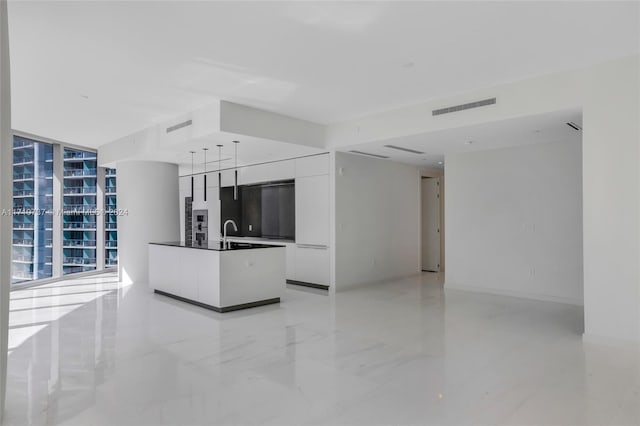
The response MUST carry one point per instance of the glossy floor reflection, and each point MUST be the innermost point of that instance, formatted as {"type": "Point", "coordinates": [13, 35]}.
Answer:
{"type": "Point", "coordinates": [90, 352]}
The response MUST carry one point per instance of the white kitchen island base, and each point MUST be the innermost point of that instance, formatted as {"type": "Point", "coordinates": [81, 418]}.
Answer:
{"type": "Point", "coordinates": [244, 276]}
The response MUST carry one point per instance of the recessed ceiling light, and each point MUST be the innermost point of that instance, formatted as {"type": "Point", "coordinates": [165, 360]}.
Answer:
{"type": "Point", "coordinates": [440, 162]}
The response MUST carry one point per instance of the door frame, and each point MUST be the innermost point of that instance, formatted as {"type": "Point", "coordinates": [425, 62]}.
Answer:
{"type": "Point", "coordinates": [439, 175]}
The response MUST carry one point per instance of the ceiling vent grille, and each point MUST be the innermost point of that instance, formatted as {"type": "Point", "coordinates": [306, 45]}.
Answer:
{"type": "Point", "coordinates": [368, 153]}
{"type": "Point", "coordinates": [462, 107]}
{"type": "Point", "coordinates": [179, 126]}
{"type": "Point", "coordinates": [574, 126]}
{"type": "Point", "coordinates": [400, 148]}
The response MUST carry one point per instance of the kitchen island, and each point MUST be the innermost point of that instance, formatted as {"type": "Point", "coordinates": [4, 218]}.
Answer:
{"type": "Point", "coordinates": [217, 277]}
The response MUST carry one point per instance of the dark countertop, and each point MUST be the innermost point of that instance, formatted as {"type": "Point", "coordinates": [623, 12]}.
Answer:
{"type": "Point", "coordinates": [217, 245]}
{"type": "Point", "coordinates": [261, 239]}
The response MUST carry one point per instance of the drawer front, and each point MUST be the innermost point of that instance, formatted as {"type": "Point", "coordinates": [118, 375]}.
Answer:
{"type": "Point", "coordinates": [312, 264]}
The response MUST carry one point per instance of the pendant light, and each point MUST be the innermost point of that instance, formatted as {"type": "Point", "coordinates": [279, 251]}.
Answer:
{"type": "Point", "coordinates": [205, 172]}
{"type": "Point", "coordinates": [219, 172]}
{"type": "Point", "coordinates": [235, 185]}
{"type": "Point", "coordinates": [192, 152]}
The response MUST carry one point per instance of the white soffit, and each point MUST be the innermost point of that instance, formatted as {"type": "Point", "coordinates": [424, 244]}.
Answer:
{"type": "Point", "coordinates": [542, 128]}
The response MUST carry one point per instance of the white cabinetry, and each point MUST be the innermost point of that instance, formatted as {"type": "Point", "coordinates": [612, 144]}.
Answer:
{"type": "Point", "coordinates": [307, 258]}
{"type": "Point", "coordinates": [291, 261]}
{"type": "Point", "coordinates": [312, 166]}
{"type": "Point", "coordinates": [279, 170]}
{"type": "Point", "coordinates": [312, 263]}
{"type": "Point", "coordinates": [290, 252]}
{"type": "Point", "coordinates": [312, 210]}
{"type": "Point", "coordinates": [221, 279]}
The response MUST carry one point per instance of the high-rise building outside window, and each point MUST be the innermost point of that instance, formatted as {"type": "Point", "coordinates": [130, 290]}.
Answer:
{"type": "Point", "coordinates": [64, 217]}
{"type": "Point", "coordinates": [33, 205]}
{"type": "Point", "coordinates": [79, 225]}
{"type": "Point", "coordinates": [110, 220]}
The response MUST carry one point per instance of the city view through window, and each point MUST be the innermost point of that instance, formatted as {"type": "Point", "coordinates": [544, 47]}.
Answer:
{"type": "Point", "coordinates": [64, 218]}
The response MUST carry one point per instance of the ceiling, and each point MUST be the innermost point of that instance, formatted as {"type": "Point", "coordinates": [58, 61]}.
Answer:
{"type": "Point", "coordinates": [543, 128]}
{"type": "Point", "coordinates": [89, 72]}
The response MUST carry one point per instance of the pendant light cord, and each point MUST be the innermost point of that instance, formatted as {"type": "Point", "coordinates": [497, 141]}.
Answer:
{"type": "Point", "coordinates": [205, 159]}
{"type": "Point", "coordinates": [219, 172]}
{"type": "Point", "coordinates": [192, 194]}
{"type": "Point", "coordinates": [204, 194]}
{"type": "Point", "coordinates": [235, 172]}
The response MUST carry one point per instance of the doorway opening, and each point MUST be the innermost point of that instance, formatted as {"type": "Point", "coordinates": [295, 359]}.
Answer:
{"type": "Point", "coordinates": [432, 193]}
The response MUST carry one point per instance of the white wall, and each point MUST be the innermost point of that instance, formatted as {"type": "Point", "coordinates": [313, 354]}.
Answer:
{"type": "Point", "coordinates": [514, 221]}
{"type": "Point", "coordinates": [611, 200]}
{"type": "Point", "coordinates": [6, 193]}
{"type": "Point", "coordinates": [149, 192]}
{"type": "Point", "coordinates": [609, 95]}
{"type": "Point", "coordinates": [377, 217]}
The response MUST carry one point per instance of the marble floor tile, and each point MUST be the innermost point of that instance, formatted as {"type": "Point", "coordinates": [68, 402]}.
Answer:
{"type": "Point", "coordinates": [90, 351]}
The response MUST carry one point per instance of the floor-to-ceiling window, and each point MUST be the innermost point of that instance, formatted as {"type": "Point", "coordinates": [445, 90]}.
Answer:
{"type": "Point", "coordinates": [33, 204]}
{"type": "Point", "coordinates": [61, 231]}
{"type": "Point", "coordinates": [110, 220]}
{"type": "Point", "coordinates": [80, 225]}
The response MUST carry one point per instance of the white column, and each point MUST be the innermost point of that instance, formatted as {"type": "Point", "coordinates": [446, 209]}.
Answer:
{"type": "Point", "coordinates": [147, 192]}
{"type": "Point", "coordinates": [6, 192]}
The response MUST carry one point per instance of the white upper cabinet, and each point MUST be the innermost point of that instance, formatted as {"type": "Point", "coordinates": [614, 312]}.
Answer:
{"type": "Point", "coordinates": [279, 170]}
{"type": "Point", "coordinates": [312, 210]}
{"type": "Point", "coordinates": [227, 178]}
{"type": "Point", "coordinates": [312, 166]}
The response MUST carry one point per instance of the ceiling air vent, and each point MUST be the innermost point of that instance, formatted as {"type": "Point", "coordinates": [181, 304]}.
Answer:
{"type": "Point", "coordinates": [462, 107]}
{"type": "Point", "coordinates": [368, 153]}
{"type": "Point", "coordinates": [399, 148]}
{"type": "Point", "coordinates": [179, 126]}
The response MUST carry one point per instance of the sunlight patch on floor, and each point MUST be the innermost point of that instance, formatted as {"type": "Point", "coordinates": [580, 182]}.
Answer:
{"type": "Point", "coordinates": [33, 309]}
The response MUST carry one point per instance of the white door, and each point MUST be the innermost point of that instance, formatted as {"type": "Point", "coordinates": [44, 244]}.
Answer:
{"type": "Point", "coordinates": [431, 224]}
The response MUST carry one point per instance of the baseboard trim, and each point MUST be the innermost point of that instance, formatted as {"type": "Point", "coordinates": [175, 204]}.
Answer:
{"type": "Point", "coordinates": [306, 284]}
{"type": "Point", "coordinates": [511, 293]}
{"type": "Point", "coordinates": [220, 309]}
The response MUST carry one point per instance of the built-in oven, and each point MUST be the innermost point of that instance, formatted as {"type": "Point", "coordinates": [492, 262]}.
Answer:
{"type": "Point", "coordinates": [200, 227]}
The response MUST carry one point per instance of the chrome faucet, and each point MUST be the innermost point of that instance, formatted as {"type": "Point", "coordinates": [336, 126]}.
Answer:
{"type": "Point", "coordinates": [224, 237]}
